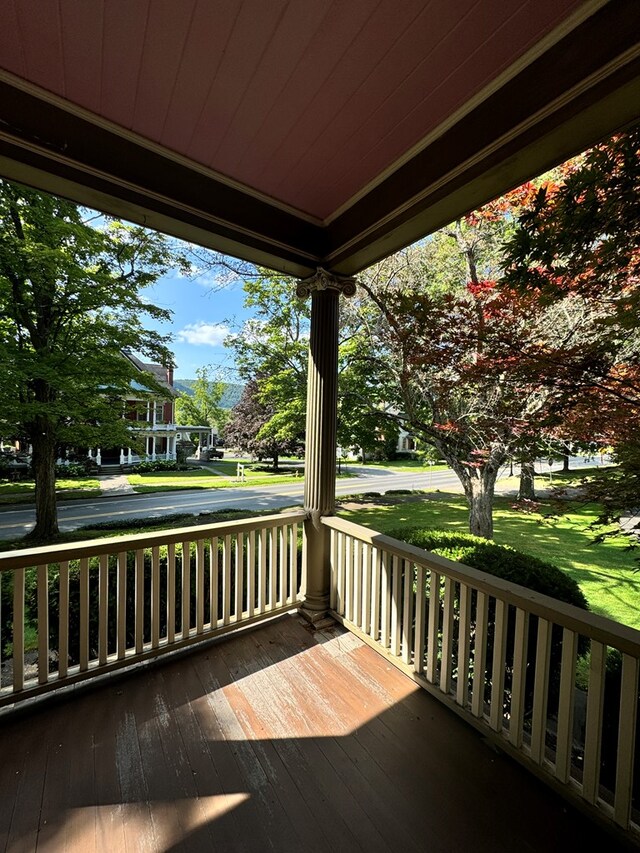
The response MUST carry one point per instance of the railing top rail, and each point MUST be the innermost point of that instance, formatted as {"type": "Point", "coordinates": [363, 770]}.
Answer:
{"type": "Point", "coordinates": [29, 557]}
{"type": "Point", "coordinates": [599, 628]}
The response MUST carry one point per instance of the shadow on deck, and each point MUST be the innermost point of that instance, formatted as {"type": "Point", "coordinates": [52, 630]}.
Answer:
{"type": "Point", "coordinates": [275, 739]}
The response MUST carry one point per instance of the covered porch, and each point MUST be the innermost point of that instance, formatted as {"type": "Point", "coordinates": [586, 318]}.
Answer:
{"type": "Point", "coordinates": [411, 699]}
{"type": "Point", "coordinates": [281, 739]}
{"type": "Point", "coordinates": [313, 138]}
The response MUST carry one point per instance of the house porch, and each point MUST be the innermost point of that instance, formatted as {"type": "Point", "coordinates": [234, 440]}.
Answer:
{"type": "Point", "coordinates": [275, 739]}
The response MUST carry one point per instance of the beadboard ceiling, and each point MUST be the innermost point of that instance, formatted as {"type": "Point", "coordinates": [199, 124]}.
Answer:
{"type": "Point", "coordinates": [304, 132]}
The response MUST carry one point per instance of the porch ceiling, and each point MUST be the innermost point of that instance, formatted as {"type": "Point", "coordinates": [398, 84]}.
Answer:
{"type": "Point", "coordinates": [304, 132]}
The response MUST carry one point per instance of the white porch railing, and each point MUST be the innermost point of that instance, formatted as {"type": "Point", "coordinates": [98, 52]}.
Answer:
{"type": "Point", "coordinates": [93, 607]}
{"type": "Point", "coordinates": [503, 657]}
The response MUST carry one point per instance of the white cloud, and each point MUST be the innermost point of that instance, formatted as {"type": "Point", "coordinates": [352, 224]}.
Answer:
{"type": "Point", "coordinates": [211, 334]}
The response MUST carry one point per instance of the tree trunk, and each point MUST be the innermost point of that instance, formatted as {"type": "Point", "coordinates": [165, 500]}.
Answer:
{"type": "Point", "coordinates": [275, 461]}
{"type": "Point", "coordinates": [479, 484]}
{"type": "Point", "coordinates": [480, 500]}
{"type": "Point", "coordinates": [527, 492]}
{"type": "Point", "coordinates": [565, 462]}
{"type": "Point", "coordinates": [43, 461]}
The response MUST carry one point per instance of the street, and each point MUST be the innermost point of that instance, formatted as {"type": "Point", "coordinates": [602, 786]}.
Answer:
{"type": "Point", "coordinates": [17, 521]}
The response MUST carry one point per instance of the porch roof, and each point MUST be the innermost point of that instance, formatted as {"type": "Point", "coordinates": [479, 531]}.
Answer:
{"type": "Point", "coordinates": [299, 134]}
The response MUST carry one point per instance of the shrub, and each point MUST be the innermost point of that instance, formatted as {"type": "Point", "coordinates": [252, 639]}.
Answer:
{"type": "Point", "coordinates": [502, 561]}
{"type": "Point", "coordinates": [161, 465]}
{"type": "Point", "coordinates": [505, 562]}
{"type": "Point", "coordinates": [71, 469]}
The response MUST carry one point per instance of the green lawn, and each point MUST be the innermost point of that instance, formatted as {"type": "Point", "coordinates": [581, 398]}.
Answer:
{"type": "Point", "coordinates": [559, 479]}
{"type": "Point", "coordinates": [605, 572]}
{"type": "Point", "coordinates": [208, 478]}
{"type": "Point", "coordinates": [24, 490]}
{"type": "Point", "coordinates": [399, 465]}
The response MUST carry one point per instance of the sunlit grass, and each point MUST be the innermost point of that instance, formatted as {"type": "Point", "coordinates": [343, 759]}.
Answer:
{"type": "Point", "coordinates": [23, 491]}
{"type": "Point", "coordinates": [606, 572]}
{"type": "Point", "coordinates": [207, 478]}
{"type": "Point", "coordinates": [399, 465]}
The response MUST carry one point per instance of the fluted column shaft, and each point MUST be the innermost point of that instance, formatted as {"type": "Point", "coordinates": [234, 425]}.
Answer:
{"type": "Point", "coordinates": [320, 456]}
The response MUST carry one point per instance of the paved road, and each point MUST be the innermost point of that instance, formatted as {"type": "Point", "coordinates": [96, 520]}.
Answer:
{"type": "Point", "coordinates": [16, 521]}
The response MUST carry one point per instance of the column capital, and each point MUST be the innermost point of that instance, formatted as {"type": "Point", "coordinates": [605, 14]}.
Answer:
{"type": "Point", "coordinates": [323, 280]}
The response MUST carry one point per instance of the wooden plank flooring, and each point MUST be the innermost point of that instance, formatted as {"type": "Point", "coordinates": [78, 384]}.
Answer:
{"type": "Point", "coordinates": [277, 739]}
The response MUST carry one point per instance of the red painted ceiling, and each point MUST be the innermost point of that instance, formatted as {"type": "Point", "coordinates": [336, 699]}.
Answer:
{"type": "Point", "coordinates": [306, 101]}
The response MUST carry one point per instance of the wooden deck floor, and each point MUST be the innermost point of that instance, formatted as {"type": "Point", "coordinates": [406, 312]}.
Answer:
{"type": "Point", "coordinates": [274, 740]}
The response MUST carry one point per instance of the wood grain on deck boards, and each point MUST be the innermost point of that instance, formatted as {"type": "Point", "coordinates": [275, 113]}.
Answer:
{"type": "Point", "coordinates": [215, 823]}
{"type": "Point", "coordinates": [268, 705]}
{"type": "Point", "coordinates": [275, 739]}
{"type": "Point", "coordinates": [108, 796]}
{"type": "Point", "coordinates": [276, 826]}
{"type": "Point", "coordinates": [344, 785]}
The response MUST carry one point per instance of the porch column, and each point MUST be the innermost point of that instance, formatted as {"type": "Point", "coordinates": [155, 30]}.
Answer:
{"type": "Point", "coordinates": [153, 448]}
{"type": "Point", "coordinates": [320, 456]}
{"type": "Point", "coordinates": [129, 459]}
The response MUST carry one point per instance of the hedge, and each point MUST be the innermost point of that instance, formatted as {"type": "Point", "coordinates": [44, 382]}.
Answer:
{"type": "Point", "coordinates": [502, 561]}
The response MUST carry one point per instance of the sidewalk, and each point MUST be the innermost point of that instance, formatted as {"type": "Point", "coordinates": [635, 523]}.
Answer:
{"type": "Point", "coordinates": [115, 484]}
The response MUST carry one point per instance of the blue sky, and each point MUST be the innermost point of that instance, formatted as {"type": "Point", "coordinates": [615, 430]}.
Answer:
{"type": "Point", "coordinates": [202, 316]}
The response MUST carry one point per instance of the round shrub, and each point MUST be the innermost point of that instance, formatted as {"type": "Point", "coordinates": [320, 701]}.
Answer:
{"type": "Point", "coordinates": [511, 565]}
{"type": "Point", "coordinates": [502, 561]}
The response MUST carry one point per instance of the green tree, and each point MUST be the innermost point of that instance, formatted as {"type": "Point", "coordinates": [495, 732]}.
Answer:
{"type": "Point", "coordinates": [272, 351]}
{"type": "Point", "coordinates": [71, 303]}
{"type": "Point", "coordinates": [363, 417]}
{"type": "Point", "coordinates": [202, 408]}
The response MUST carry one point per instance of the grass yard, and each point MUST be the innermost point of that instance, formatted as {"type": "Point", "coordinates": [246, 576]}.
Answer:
{"type": "Point", "coordinates": [220, 474]}
{"type": "Point", "coordinates": [559, 479]}
{"type": "Point", "coordinates": [605, 572]}
{"type": "Point", "coordinates": [24, 490]}
{"type": "Point", "coordinates": [399, 465]}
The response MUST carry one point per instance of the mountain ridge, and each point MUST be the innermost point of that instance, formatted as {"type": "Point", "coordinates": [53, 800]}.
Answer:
{"type": "Point", "coordinates": [230, 396]}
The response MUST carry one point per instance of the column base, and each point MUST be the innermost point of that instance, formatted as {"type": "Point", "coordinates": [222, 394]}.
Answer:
{"type": "Point", "coordinates": [317, 619]}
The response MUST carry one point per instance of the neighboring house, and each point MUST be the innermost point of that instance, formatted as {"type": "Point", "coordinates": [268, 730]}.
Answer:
{"type": "Point", "coordinates": [152, 420]}
{"type": "Point", "coordinates": [406, 442]}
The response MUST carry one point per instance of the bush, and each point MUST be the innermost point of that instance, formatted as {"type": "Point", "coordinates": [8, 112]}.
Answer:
{"type": "Point", "coordinates": [505, 562]}
{"type": "Point", "coordinates": [502, 561]}
{"type": "Point", "coordinates": [161, 465]}
{"type": "Point", "coordinates": [71, 469]}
